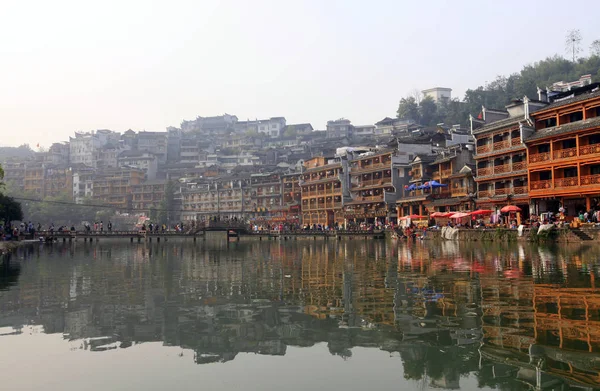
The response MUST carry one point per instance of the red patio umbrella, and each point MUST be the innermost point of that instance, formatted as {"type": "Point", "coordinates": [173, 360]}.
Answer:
{"type": "Point", "coordinates": [482, 212]}
{"type": "Point", "coordinates": [412, 217]}
{"type": "Point", "coordinates": [441, 214]}
{"type": "Point", "coordinates": [510, 208]}
{"type": "Point", "coordinates": [459, 215]}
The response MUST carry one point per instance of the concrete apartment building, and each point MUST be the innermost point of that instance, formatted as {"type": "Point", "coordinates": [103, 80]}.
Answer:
{"type": "Point", "coordinates": [438, 94]}
{"type": "Point", "coordinates": [155, 143]}
{"type": "Point", "coordinates": [84, 147]}
{"type": "Point", "coordinates": [145, 161]}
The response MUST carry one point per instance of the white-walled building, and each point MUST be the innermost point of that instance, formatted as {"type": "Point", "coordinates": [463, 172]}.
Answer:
{"type": "Point", "coordinates": [439, 94]}
{"type": "Point", "coordinates": [84, 147]}
{"type": "Point", "coordinates": [146, 161]}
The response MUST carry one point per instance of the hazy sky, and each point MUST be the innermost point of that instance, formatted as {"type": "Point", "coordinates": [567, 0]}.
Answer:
{"type": "Point", "coordinates": [83, 65]}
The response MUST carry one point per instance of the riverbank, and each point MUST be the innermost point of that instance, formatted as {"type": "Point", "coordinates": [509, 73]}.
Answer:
{"type": "Point", "coordinates": [10, 246]}
{"type": "Point", "coordinates": [556, 235]}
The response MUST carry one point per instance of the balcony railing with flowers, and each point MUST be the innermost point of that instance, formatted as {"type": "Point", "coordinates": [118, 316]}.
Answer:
{"type": "Point", "coordinates": [565, 153]}
{"type": "Point", "coordinates": [566, 182]}
{"type": "Point", "coordinates": [588, 180]}
{"type": "Point", "coordinates": [593, 149]}
{"type": "Point", "coordinates": [541, 185]}
{"type": "Point", "coordinates": [539, 157]}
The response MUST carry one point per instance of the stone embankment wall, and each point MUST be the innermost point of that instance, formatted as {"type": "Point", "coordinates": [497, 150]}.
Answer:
{"type": "Point", "coordinates": [563, 235]}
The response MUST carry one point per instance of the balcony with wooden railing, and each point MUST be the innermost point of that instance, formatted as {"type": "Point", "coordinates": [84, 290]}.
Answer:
{"type": "Point", "coordinates": [459, 191]}
{"type": "Point", "coordinates": [593, 149]}
{"type": "Point", "coordinates": [540, 185]}
{"type": "Point", "coordinates": [382, 165]}
{"type": "Point", "coordinates": [485, 171]}
{"type": "Point", "coordinates": [539, 157]}
{"type": "Point", "coordinates": [566, 182]}
{"type": "Point", "coordinates": [485, 193]}
{"type": "Point", "coordinates": [519, 190]}
{"type": "Point", "coordinates": [446, 173]}
{"type": "Point", "coordinates": [435, 175]}
{"type": "Point", "coordinates": [500, 145]}
{"type": "Point", "coordinates": [484, 149]}
{"type": "Point", "coordinates": [519, 166]}
{"type": "Point", "coordinates": [565, 153]}
{"type": "Point", "coordinates": [371, 198]}
{"type": "Point", "coordinates": [501, 168]}
{"type": "Point", "coordinates": [589, 180]}
{"type": "Point", "coordinates": [502, 191]}
{"type": "Point", "coordinates": [416, 174]}
{"type": "Point", "coordinates": [515, 141]}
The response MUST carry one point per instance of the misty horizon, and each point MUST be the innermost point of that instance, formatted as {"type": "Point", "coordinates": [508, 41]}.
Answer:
{"type": "Point", "coordinates": [79, 67]}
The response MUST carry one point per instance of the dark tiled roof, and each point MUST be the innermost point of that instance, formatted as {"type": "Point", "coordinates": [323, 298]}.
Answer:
{"type": "Point", "coordinates": [499, 124]}
{"type": "Point", "coordinates": [564, 102]}
{"type": "Point", "coordinates": [425, 158]}
{"type": "Point", "coordinates": [440, 159]}
{"type": "Point", "coordinates": [563, 129]}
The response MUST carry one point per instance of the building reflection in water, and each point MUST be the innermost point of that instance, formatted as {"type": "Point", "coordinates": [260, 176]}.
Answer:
{"type": "Point", "coordinates": [509, 315]}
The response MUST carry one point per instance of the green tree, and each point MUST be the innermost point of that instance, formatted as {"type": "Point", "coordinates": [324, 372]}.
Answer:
{"type": "Point", "coordinates": [408, 109]}
{"type": "Point", "coordinates": [428, 111]}
{"type": "Point", "coordinates": [595, 48]}
{"type": "Point", "coordinates": [10, 210]}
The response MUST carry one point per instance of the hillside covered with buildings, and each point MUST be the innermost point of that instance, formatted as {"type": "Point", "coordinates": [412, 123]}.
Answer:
{"type": "Point", "coordinates": [536, 152]}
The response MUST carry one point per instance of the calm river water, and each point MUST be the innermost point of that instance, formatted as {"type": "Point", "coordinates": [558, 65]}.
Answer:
{"type": "Point", "coordinates": [299, 315]}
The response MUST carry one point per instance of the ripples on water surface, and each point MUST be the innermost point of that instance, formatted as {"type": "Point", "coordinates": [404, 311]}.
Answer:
{"type": "Point", "coordinates": [297, 315]}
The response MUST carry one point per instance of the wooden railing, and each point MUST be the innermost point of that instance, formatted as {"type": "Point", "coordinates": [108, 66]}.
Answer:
{"type": "Point", "coordinates": [566, 182]}
{"type": "Point", "coordinates": [588, 180]}
{"type": "Point", "coordinates": [519, 190]}
{"type": "Point", "coordinates": [589, 149]}
{"type": "Point", "coordinates": [502, 191]}
{"type": "Point", "coordinates": [374, 165]}
{"type": "Point", "coordinates": [565, 153]}
{"type": "Point", "coordinates": [371, 198]}
{"type": "Point", "coordinates": [485, 171]}
{"type": "Point", "coordinates": [519, 166]}
{"type": "Point", "coordinates": [541, 185]}
{"type": "Point", "coordinates": [458, 191]}
{"type": "Point", "coordinates": [435, 174]}
{"type": "Point", "coordinates": [501, 169]}
{"type": "Point", "coordinates": [539, 157]}
{"type": "Point", "coordinates": [515, 141]}
{"type": "Point", "coordinates": [486, 193]}
{"type": "Point", "coordinates": [446, 173]}
{"type": "Point", "coordinates": [374, 182]}
{"type": "Point", "coordinates": [498, 145]}
{"type": "Point", "coordinates": [484, 149]}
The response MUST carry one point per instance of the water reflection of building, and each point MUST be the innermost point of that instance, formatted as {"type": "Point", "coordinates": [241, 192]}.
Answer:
{"type": "Point", "coordinates": [430, 304]}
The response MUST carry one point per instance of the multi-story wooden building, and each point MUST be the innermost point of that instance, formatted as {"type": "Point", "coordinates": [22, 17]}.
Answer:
{"type": "Point", "coordinates": [148, 194]}
{"type": "Point", "coordinates": [292, 196]}
{"type": "Point", "coordinates": [371, 179]}
{"type": "Point", "coordinates": [322, 192]}
{"type": "Point", "coordinates": [453, 170]}
{"type": "Point", "coordinates": [564, 152]}
{"type": "Point", "coordinates": [58, 180]}
{"type": "Point", "coordinates": [500, 155]}
{"type": "Point", "coordinates": [413, 199]}
{"type": "Point", "coordinates": [14, 174]}
{"type": "Point", "coordinates": [266, 195]}
{"type": "Point", "coordinates": [226, 197]}
{"type": "Point", "coordinates": [113, 187]}
{"type": "Point", "coordinates": [439, 183]}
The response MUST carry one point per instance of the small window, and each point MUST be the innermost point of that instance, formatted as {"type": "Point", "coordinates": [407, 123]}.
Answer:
{"type": "Point", "coordinates": [569, 143]}
{"type": "Point", "coordinates": [570, 172]}
{"type": "Point", "coordinates": [577, 116]}
{"type": "Point", "coordinates": [544, 148]}
{"type": "Point", "coordinates": [595, 169]}
{"type": "Point", "coordinates": [545, 175]}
